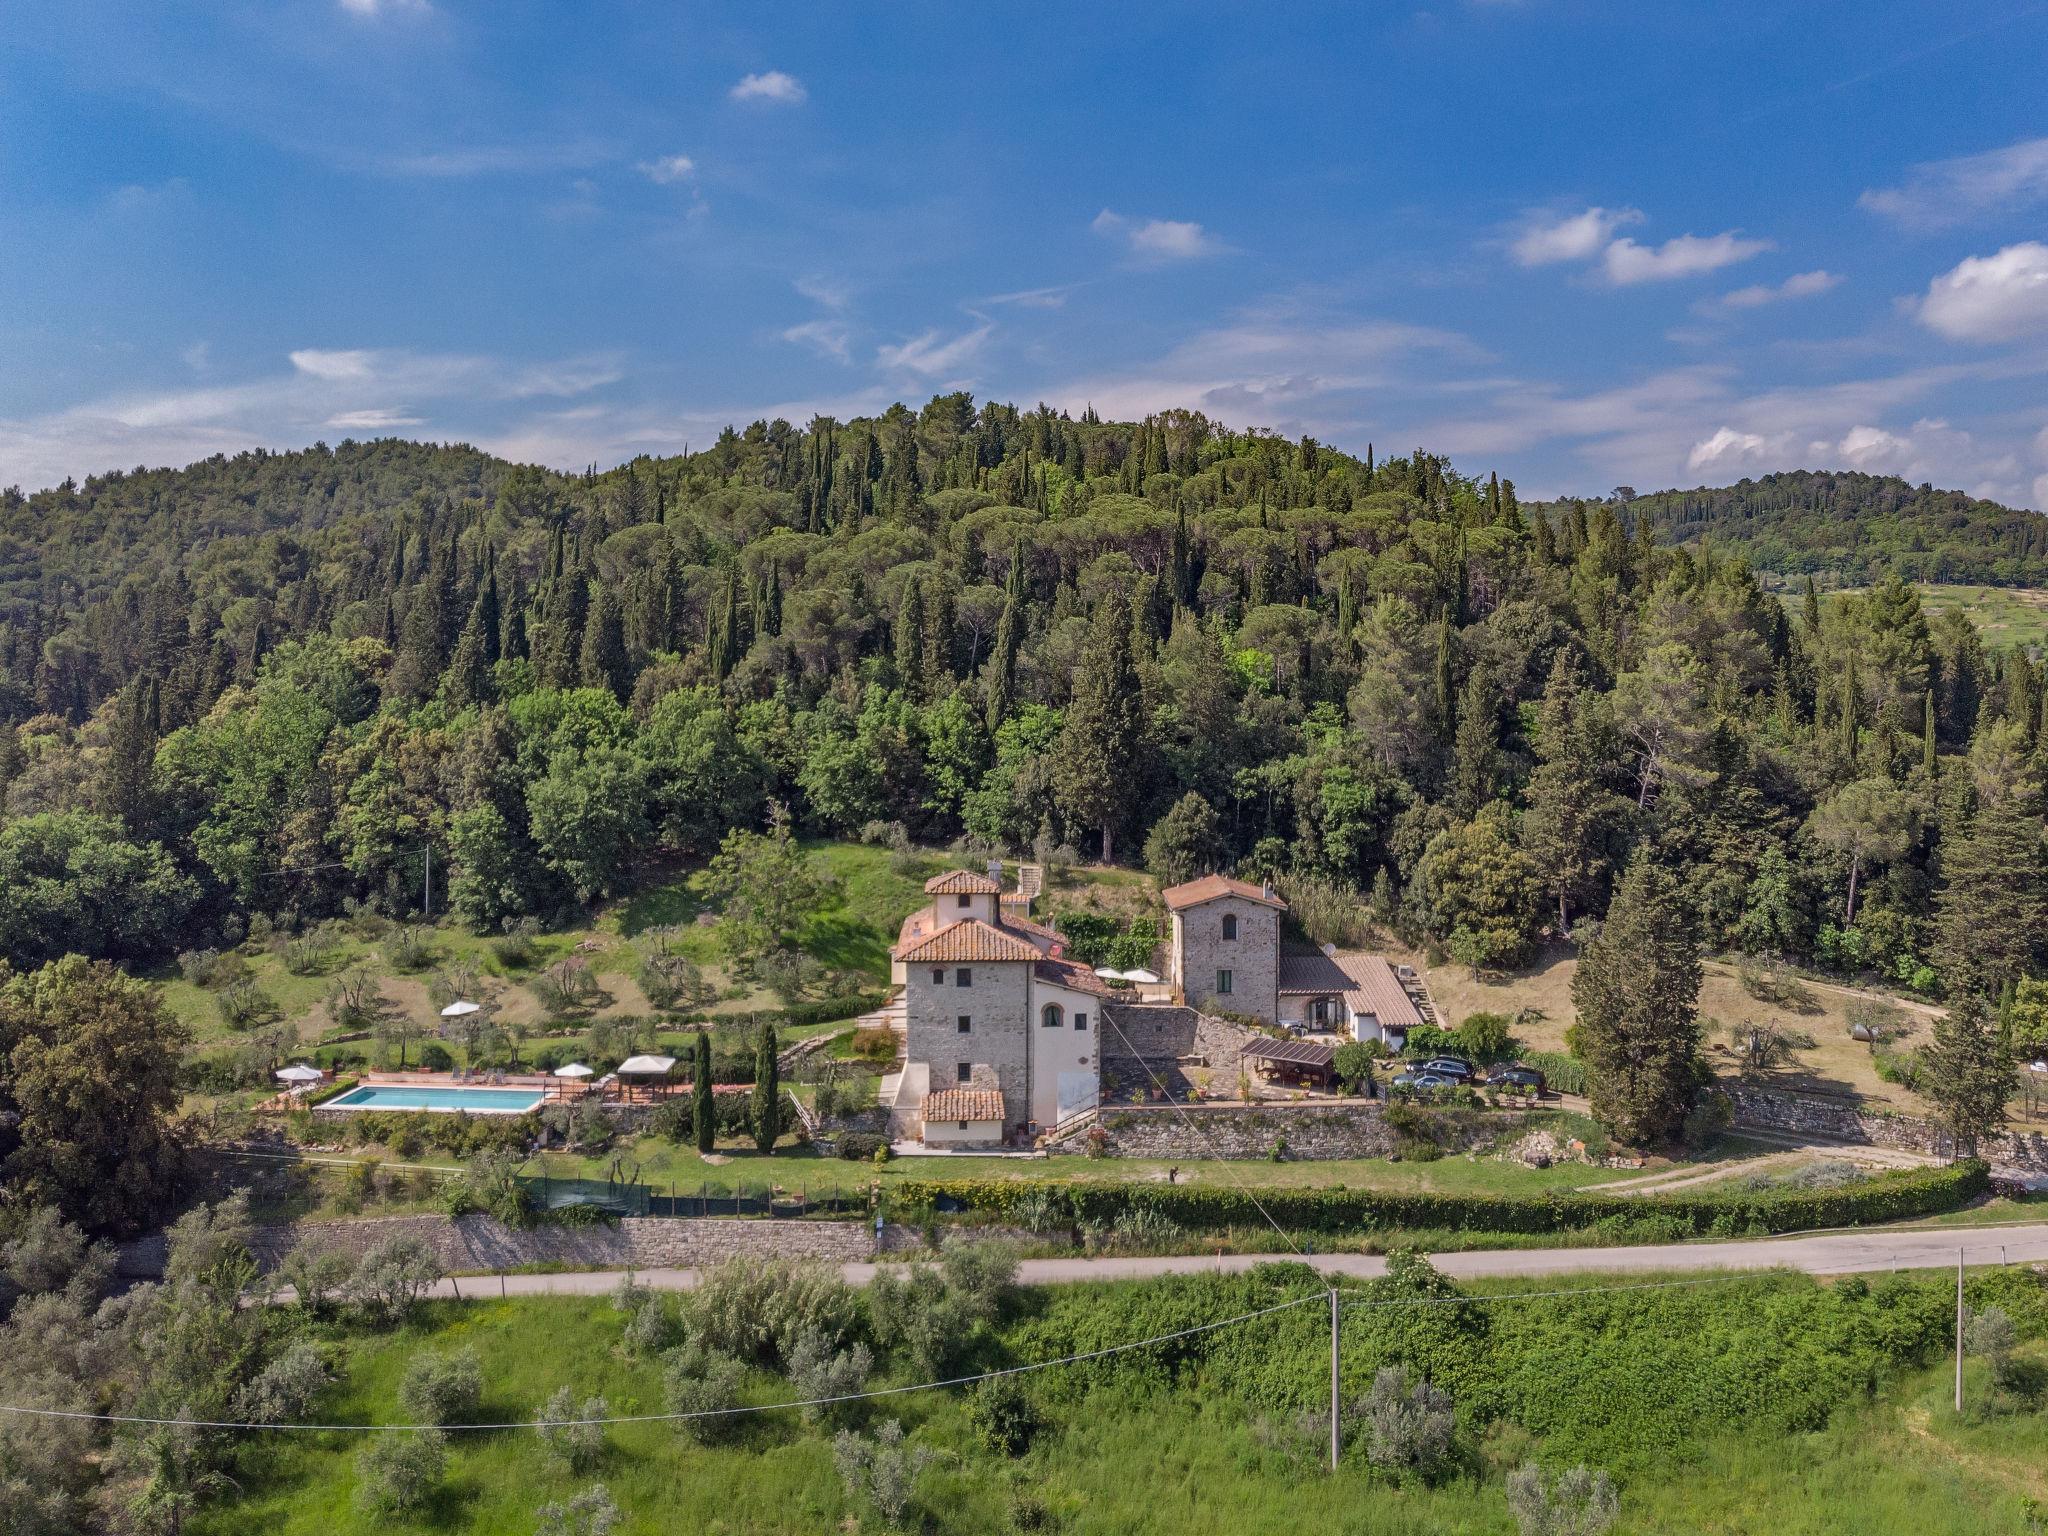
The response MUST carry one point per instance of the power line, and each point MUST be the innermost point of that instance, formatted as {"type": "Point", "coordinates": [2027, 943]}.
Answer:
{"type": "Point", "coordinates": [1317, 1297]}
{"type": "Point", "coordinates": [670, 1418]}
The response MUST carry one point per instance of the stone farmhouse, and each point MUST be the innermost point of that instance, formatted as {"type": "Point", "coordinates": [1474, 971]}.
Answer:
{"type": "Point", "coordinates": [1005, 1037]}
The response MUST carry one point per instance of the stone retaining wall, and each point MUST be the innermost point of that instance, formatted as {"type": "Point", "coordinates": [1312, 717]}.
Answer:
{"type": "Point", "coordinates": [1840, 1120]}
{"type": "Point", "coordinates": [1313, 1131]}
{"type": "Point", "coordinates": [466, 1244]}
{"type": "Point", "coordinates": [1159, 1032]}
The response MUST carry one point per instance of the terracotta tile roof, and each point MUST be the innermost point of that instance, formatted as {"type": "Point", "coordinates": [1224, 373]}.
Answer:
{"type": "Point", "coordinates": [1213, 888]}
{"type": "Point", "coordinates": [1367, 984]}
{"type": "Point", "coordinates": [1071, 974]}
{"type": "Point", "coordinates": [962, 882]}
{"type": "Point", "coordinates": [971, 1104]}
{"type": "Point", "coordinates": [966, 942]}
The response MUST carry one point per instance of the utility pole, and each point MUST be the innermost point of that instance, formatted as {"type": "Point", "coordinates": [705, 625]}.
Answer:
{"type": "Point", "coordinates": [1334, 1304]}
{"type": "Point", "coordinates": [1959, 1330]}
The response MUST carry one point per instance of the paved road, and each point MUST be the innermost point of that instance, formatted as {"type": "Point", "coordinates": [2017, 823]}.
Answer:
{"type": "Point", "coordinates": [1834, 1253]}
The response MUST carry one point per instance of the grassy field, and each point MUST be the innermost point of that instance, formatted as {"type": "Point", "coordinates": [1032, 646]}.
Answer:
{"type": "Point", "coordinates": [2004, 616]}
{"type": "Point", "coordinates": [1122, 1457]}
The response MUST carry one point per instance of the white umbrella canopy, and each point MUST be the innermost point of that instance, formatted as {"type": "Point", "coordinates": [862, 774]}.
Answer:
{"type": "Point", "coordinates": [1143, 977]}
{"type": "Point", "coordinates": [461, 1008]}
{"type": "Point", "coordinates": [574, 1069]}
{"type": "Point", "coordinates": [649, 1066]}
{"type": "Point", "coordinates": [299, 1074]}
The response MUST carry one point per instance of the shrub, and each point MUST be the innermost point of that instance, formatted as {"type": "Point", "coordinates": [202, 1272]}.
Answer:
{"type": "Point", "coordinates": [397, 1472]}
{"type": "Point", "coordinates": [704, 1385]}
{"type": "Point", "coordinates": [393, 1276]}
{"type": "Point", "coordinates": [591, 1513]}
{"type": "Point", "coordinates": [442, 1389]}
{"type": "Point", "coordinates": [409, 950]}
{"type": "Point", "coordinates": [882, 1472]}
{"type": "Point", "coordinates": [1486, 1037]}
{"type": "Point", "coordinates": [1562, 1073]}
{"type": "Point", "coordinates": [861, 1146]}
{"type": "Point", "coordinates": [1001, 1412]}
{"type": "Point", "coordinates": [1408, 1427]}
{"type": "Point", "coordinates": [243, 1004]}
{"type": "Point", "coordinates": [318, 1276]}
{"type": "Point", "coordinates": [756, 1309]}
{"type": "Point", "coordinates": [567, 1433]}
{"type": "Point", "coordinates": [1579, 1503]}
{"type": "Point", "coordinates": [519, 948]}
{"type": "Point", "coordinates": [876, 1044]}
{"type": "Point", "coordinates": [1043, 1210]}
{"type": "Point", "coordinates": [820, 1370]}
{"type": "Point", "coordinates": [1889, 1197]}
{"type": "Point", "coordinates": [284, 1389]}
{"type": "Point", "coordinates": [47, 1253]}
{"type": "Point", "coordinates": [656, 1325]}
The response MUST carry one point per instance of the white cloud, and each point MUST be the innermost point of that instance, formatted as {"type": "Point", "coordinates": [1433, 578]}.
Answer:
{"type": "Point", "coordinates": [668, 169]}
{"type": "Point", "coordinates": [1157, 240]}
{"type": "Point", "coordinates": [771, 85]}
{"type": "Point", "coordinates": [332, 365]}
{"type": "Point", "coordinates": [827, 338]}
{"type": "Point", "coordinates": [1990, 298]}
{"type": "Point", "coordinates": [929, 356]}
{"type": "Point", "coordinates": [488, 160]}
{"type": "Point", "coordinates": [1801, 285]}
{"type": "Point", "coordinates": [1942, 192]}
{"type": "Point", "coordinates": [1268, 368]}
{"type": "Point", "coordinates": [1054, 297]}
{"type": "Point", "coordinates": [1546, 239]}
{"type": "Point", "coordinates": [373, 421]}
{"type": "Point", "coordinates": [828, 291]}
{"type": "Point", "coordinates": [384, 7]}
{"type": "Point", "coordinates": [198, 357]}
{"type": "Point", "coordinates": [322, 392]}
{"type": "Point", "coordinates": [1726, 447]}
{"type": "Point", "coordinates": [1626, 262]}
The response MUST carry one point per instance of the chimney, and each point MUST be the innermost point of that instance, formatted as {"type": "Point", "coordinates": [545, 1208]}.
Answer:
{"type": "Point", "coordinates": [1267, 890]}
{"type": "Point", "coordinates": [1330, 950]}
{"type": "Point", "coordinates": [995, 870]}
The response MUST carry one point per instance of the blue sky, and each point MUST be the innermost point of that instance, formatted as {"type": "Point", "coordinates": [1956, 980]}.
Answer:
{"type": "Point", "coordinates": [1583, 242]}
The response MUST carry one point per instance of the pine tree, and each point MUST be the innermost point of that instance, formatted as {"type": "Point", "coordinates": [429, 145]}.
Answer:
{"type": "Point", "coordinates": [127, 786]}
{"type": "Point", "coordinates": [1572, 815]}
{"type": "Point", "coordinates": [703, 1112]}
{"type": "Point", "coordinates": [1096, 772]}
{"type": "Point", "coordinates": [1991, 915]}
{"type": "Point", "coordinates": [767, 1105]}
{"type": "Point", "coordinates": [1637, 995]}
{"type": "Point", "coordinates": [1446, 686]}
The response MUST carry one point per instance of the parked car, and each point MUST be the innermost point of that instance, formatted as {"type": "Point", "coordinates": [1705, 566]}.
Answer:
{"type": "Point", "coordinates": [1528, 1079]}
{"type": "Point", "coordinates": [1422, 1082]}
{"type": "Point", "coordinates": [1447, 1066]}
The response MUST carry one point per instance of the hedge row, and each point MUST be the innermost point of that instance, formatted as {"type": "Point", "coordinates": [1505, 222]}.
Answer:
{"type": "Point", "coordinates": [1891, 1197]}
{"type": "Point", "coordinates": [1561, 1073]}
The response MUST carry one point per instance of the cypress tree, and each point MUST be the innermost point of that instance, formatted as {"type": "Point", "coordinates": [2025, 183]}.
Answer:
{"type": "Point", "coordinates": [1096, 773]}
{"type": "Point", "coordinates": [910, 643]}
{"type": "Point", "coordinates": [1002, 663]}
{"type": "Point", "coordinates": [1929, 763]}
{"type": "Point", "coordinates": [603, 662]}
{"type": "Point", "coordinates": [1637, 993]}
{"type": "Point", "coordinates": [767, 1092]}
{"type": "Point", "coordinates": [1970, 1073]}
{"type": "Point", "coordinates": [703, 1116]}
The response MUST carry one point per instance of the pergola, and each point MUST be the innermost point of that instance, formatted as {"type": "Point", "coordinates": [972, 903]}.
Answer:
{"type": "Point", "coordinates": [649, 1074]}
{"type": "Point", "coordinates": [1302, 1060]}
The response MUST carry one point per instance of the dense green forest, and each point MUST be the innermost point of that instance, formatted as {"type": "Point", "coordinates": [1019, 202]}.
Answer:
{"type": "Point", "coordinates": [1854, 528]}
{"type": "Point", "coordinates": [270, 687]}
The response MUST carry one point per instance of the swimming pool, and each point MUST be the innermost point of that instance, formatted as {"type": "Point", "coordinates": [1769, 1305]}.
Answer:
{"type": "Point", "coordinates": [446, 1098]}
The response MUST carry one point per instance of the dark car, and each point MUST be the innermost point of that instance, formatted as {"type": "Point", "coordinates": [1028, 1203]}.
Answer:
{"type": "Point", "coordinates": [1422, 1082]}
{"type": "Point", "coordinates": [1518, 1077]}
{"type": "Point", "coordinates": [1447, 1066]}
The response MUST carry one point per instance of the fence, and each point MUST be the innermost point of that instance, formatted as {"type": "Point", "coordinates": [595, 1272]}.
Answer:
{"type": "Point", "coordinates": [627, 1199]}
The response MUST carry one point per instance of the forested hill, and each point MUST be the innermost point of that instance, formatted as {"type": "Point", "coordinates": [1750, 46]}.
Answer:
{"type": "Point", "coordinates": [269, 686]}
{"type": "Point", "coordinates": [1848, 529]}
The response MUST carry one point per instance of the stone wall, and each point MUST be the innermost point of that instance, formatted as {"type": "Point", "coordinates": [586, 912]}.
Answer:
{"type": "Point", "coordinates": [1252, 957]}
{"type": "Point", "coordinates": [995, 1005]}
{"type": "Point", "coordinates": [482, 1244]}
{"type": "Point", "coordinates": [1313, 1132]}
{"type": "Point", "coordinates": [1160, 1033]}
{"type": "Point", "coordinates": [1844, 1120]}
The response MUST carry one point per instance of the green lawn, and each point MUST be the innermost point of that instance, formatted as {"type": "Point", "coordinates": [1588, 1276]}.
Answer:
{"type": "Point", "coordinates": [2004, 616]}
{"type": "Point", "coordinates": [1122, 1459]}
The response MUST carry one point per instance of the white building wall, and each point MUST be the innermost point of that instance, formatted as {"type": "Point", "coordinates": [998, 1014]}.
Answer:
{"type": "Point", "coordinates": [1063, 1053]}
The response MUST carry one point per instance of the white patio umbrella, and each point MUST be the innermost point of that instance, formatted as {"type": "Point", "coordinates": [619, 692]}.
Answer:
{"type": "Point", "coordinates": [461, 1008]}
{"type": "Point", "coordinates": [1143, 977]}
{"type": "Point", "coordinates": [299, 1074]}
{"type": "Point", "coordinates": [574, 1069]}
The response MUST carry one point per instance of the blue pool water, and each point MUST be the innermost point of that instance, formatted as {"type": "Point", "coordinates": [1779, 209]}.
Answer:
{"type": "Point", "coordinates": [447, 1097]}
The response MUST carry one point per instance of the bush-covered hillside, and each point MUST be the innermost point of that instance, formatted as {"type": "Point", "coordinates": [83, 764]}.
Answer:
{"type": "Point", "coordinates": [1853, 528]}
{"type": "Point", "coordinates": [270, 686]}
